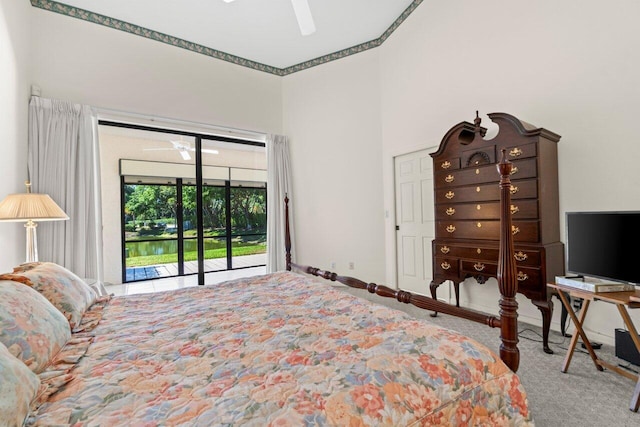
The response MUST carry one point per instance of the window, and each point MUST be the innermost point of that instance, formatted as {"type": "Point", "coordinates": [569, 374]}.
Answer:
{"type": "Point", "coordinates": [161, 241]}
{"type": "Point", "coordinates": [161, 226]}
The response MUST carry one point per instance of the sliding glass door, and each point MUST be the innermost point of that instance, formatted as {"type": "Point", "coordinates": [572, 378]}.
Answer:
{"type": "Point", "coordinates": [150, 231]}
{"type": "Point", "coordinates": [214, 219]}
{"type": "Point", "coordinates": [248, 226]}
{"type": "Point", "coordinates": [162, 241]}
{"type": "Point", "coordinates": [189, 204]}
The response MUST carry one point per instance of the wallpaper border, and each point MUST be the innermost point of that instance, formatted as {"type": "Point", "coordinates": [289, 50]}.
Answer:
{"type": "Point", "coordinates": [85, 15]}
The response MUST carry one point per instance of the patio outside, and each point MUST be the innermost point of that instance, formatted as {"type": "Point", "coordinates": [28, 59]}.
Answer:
{"type": "Point", "coordinates": [156, 233]}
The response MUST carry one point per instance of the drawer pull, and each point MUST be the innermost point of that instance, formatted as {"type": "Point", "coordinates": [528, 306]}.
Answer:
{"type": "Point", "coordinates": [445, 249]}
{"type": "Point", "coordinates": [449, 178]}
{"type": "Point", "coordinates": [522, 276]}
{"type": "Point", "coordinates": [450, 195]}
{"type": "Point", "coordinates": [479, 251]}
{"type": "Point", "coordinates": [477, 171]}
{"type": "Point", "coordinates": [514, 230]}
{"type": "Point", "coordinates": [479, 266]}
{"type": "Point", "coordinates": [477, 189]}
{"type": "Point", "coordinates": [520, 256]}
{"type": "Point", "coordinates": [516, 152]}
{"type": "Point", "coordinates": [446, 164]}
{"type": "Point", "coordinates": [514, 170]}
{"type": "Point", "coordinates": [514, 209]}
{"type": "Point", "coordinates": [450, 211]}
{"type": "Point", "coordinates": [479, 225]}
{"type": "Point", "coordinates": [445, 265]}
{"type": "Point", "coordinates": [451, 228]}
{"type": "Point", "coordinates": [513, 189]}
{"type": "Point", "coordinates": [478, 207]}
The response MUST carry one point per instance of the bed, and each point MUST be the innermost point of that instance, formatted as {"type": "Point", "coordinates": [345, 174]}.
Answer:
{"type": "Point", "coordinates": [279, 349]}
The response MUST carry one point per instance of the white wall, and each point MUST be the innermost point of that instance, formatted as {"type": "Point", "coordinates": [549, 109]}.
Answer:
{"type": "Point", "coordinates": [90, 64]}
{"type": "Point", "coordinates": [14, 97]}
{"type": "Point", "coordinates": [332, 116]}
{"type": "Point", "coordinates": [570, 67]}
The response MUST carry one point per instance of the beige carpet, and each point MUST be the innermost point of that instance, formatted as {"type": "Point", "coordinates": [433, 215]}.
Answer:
{"type": "Point", "coordinates": [581, 397]}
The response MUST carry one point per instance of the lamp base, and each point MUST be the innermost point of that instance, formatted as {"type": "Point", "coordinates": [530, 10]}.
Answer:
{"type": "Point", "coordinates": [32, 241]}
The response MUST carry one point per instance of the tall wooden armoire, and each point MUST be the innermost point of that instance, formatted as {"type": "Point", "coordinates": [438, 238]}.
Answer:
{"type": "Point", "coordinates": [467, 201]}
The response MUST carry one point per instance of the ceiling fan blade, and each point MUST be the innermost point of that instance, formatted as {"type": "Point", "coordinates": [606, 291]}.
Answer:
{"type": "Point", "coordinates": [180, 145]}
{"type": "Point", "coordinates": [185, 155]}
{"type": "Point", "coordinates": [204, 150]}
{"type": "Point", "coordinates": [304, 17]}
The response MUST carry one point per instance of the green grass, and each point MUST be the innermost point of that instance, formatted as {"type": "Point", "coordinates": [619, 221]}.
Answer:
{"type": "Point", "coordinates": [238, 250]}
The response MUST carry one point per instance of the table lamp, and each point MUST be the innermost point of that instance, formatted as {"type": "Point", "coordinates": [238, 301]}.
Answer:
{"type": "Point", "coordinates": [28, 208]}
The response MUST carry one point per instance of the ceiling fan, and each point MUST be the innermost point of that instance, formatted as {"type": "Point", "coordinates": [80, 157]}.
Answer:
{"type": "Point", "coordinates": [183, 147]}
{"type": "Point", "coordinates": [303, 15]}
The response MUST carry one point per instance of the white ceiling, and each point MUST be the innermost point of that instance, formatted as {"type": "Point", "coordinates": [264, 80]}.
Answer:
{"type": "Point", "coordinates": [263, 31]}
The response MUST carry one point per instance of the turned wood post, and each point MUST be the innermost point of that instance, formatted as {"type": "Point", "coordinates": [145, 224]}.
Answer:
{"type": "Point", "coordinates": [507, 272]}
{"type": "Point", "coordinates": [287, 232]}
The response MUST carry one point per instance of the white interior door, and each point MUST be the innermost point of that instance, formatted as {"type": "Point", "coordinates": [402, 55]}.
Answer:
{"type": "Point", "coordinates": [415, 226]}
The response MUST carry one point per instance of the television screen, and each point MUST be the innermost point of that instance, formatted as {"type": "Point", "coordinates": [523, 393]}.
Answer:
{"type": "Point", "coordinates": [605, 245]}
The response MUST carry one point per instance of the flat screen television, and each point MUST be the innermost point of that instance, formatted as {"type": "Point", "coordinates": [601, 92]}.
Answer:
{"type": "Point", "coordinates": [604, 245]}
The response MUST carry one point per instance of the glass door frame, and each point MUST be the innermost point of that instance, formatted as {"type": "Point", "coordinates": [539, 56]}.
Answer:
{"type": "Point", "coordinates": [199, 185]}
{"type": "Point", "coordinates": [177, 184]}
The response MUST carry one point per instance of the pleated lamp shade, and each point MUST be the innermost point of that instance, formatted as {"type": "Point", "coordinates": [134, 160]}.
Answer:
{"type": "Point", "coordinates": [30, 206]}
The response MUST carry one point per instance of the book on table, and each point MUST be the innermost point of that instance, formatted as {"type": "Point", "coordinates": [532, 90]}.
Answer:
{"type": "Point", "coordinates": [592, 284]}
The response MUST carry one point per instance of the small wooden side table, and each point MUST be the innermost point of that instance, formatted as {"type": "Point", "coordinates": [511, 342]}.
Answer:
{"type": "Point", "coordinates": [622, 300]}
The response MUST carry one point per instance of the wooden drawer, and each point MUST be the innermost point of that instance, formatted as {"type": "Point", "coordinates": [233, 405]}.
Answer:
{"type": "Point", "coordinates": [483, 174]}
{"type": "Point", "coordinates": [485, 268]}
{"type": "Point", "coordinates": [527, 257]}
{"type": "Point", "coordinates": [530, 279]}
{"type": "Point", "coordinates": [468, 252]}
{"type": "Point", "coordinates": [523, 209]}
{"type": "Point", "coordinates": [521, 151]}
{"type": "Point", "coordinates": [478, 156]}
{"type": "Point", "coordinates": [525, 189]}
{"type": "Point", "coordinates": [445, 267]}
{"type": "Point", "coordinates": [524, 257]}
{"type": "Point", "coordinates": [523, 231]}
{"type": "Point", "coordinates": [446, 164]}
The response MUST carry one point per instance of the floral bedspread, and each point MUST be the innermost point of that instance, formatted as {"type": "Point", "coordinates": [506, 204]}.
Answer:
{"type": "Point", "coordinates": [280, 350]}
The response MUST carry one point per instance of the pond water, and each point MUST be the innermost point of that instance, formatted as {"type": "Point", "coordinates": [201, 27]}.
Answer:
{"type": "Point", "coordinates": [161, 247]}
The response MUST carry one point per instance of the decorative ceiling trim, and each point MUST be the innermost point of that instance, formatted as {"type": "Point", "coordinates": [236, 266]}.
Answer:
{"type": "Point", "coordinates": [85, 15]}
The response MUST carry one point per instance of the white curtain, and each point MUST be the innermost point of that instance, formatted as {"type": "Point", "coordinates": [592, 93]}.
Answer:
{"type": "Point", "coordinates": [278, 185]}
{"type": "Point", "coordinates": [64, 163]}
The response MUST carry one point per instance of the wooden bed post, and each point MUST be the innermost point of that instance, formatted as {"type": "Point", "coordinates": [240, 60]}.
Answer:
{"type": "Point", "coordinates": [287, 232]}
{"type": "Point", "coordinates": [507, 273]}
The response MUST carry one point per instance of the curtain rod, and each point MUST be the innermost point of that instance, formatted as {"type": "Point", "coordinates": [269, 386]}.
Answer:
{"type": "Point", "coordinates": [189, 125]}
{"type": "Point", "coordinates": [158, 120]}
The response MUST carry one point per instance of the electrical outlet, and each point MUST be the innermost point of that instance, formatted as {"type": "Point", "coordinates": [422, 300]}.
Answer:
{"type": "Point", "coordinates": [351, 265]}
{"type": "Point", "coordinates": [577, 303]}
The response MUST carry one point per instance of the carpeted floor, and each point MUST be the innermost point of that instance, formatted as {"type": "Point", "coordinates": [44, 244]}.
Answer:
{"type": "Point", "coordinates": [581, 397]}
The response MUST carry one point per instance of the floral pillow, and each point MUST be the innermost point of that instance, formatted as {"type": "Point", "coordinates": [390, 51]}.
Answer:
{"type": "Point", "coordinates": [18, 389]}
{"type": "Point", "coordinates": [66, 291]}
{"type": "Point", "coordinates": [31, 328]}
